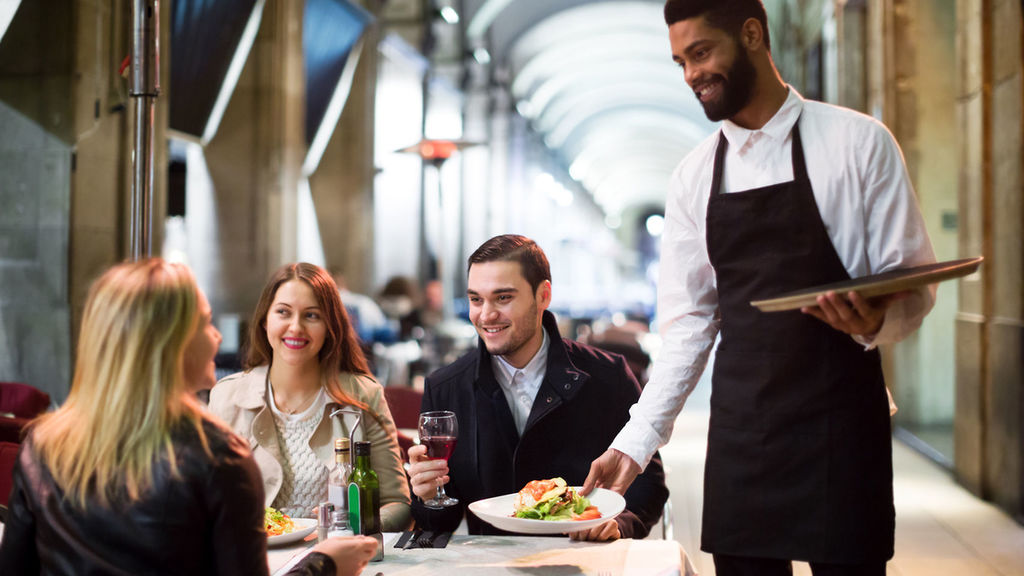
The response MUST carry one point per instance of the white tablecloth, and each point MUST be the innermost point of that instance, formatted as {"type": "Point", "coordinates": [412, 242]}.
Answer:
{"type": "Point", "coordinates": [517, 555]}
{"type": "Point", "coordinates": [512, 555]}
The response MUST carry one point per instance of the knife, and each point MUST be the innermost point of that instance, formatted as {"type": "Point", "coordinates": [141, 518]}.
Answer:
{"type": "Point", "coordinates": [412, 539]}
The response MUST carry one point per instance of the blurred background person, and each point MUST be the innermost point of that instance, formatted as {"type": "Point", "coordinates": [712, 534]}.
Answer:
{"type": "Point", "coordinates": [156, 483]}
{"type": "Point", "coordinates": [401, 299]}
{"type": "Point", "coordinates": [304, 362]}
{"type": "Point", "coordinates": [368, 320]}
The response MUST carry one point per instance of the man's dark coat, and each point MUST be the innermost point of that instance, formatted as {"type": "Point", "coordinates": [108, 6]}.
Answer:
{"type": "Point", "coordinates": [582, 404]}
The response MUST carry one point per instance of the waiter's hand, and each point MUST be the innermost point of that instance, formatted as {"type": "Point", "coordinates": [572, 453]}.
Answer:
{"type": "Point", "coordinates": [853, 314]}
{"type": "Point", "coordinates": [612, 470]}
{"type": "Point", "coordinates": [426, 475]}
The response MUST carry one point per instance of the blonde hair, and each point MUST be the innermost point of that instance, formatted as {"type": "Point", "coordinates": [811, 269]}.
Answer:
{"type": "Point", "coordinates": [129, 390]}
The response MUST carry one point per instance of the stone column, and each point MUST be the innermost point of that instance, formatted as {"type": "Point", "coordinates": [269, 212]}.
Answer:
{"type": "Point", "coordinates": [64, 175]}
{"type": "Point", "coordinates": [990, 326]}
{"type": "Point", "coordinates": [343, 184]}
{"type": "Point", "coordinates": [254, 162]}
{"type": "Point", "coordinates": [850, 31]}
{"type": "Point", "coordinates": [1004, 399]}
{"type": "Point", "coordinates": [974, 198]}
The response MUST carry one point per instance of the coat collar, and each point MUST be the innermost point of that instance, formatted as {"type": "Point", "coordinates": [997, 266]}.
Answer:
{"type": "Point", "coordinates": [562, 376]}
{"type": "Point", "coordinates": [253, 394]}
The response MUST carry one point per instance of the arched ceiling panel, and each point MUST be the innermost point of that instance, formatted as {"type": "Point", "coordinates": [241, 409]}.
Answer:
{"type": "Point", "coordinates": [597, 81]}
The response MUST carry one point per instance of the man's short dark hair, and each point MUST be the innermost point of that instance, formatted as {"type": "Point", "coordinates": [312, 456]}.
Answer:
{"type": "Point", "coordinates": [515, 248]}
{"type": "Point", "coordinates": [727, 15]}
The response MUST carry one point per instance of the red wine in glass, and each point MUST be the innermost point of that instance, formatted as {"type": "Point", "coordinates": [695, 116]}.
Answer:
{"type": "Point", "coordinates": [438, 432]}
{"type": "Point", "coordinates": [439, 447]}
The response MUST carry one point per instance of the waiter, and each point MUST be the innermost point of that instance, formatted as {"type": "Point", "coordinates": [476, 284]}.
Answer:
{"type": "Point", "coordinates": [788, 194]}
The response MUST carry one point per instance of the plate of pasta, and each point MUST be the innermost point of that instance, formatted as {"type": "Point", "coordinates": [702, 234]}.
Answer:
{"type": "Point", "coordinates": [283, 529]}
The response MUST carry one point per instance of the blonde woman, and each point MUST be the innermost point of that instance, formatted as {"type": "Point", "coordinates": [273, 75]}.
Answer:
{"type": "Point", "coordinates": [303, 363]}
{"type": "Point", "coordinates": [131, 475]}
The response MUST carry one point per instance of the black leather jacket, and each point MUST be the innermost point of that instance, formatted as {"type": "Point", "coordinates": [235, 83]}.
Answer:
{"type": "Point", "coordinates": [209, 520]}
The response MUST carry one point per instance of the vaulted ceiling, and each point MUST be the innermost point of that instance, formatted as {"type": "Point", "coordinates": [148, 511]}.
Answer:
{"type": "Point", "coordinates": [596, 79]}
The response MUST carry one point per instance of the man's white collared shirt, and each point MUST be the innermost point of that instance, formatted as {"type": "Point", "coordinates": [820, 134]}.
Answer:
{"type": "Point", "coordinates": [521, 385]}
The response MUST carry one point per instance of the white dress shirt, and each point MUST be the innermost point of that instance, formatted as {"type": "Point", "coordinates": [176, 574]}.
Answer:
{"type": "Point", "coordinates": [865, 200]}
{"type": "Point", "coordinates": [521, 385]}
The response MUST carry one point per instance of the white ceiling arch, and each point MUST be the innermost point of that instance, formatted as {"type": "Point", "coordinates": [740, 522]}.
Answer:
{"type": "Point", "coordinates": [596, 80]}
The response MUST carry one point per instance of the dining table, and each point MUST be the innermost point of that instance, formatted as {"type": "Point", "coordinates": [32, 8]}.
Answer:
{"type": "Point", "coordinates": [472, 555]}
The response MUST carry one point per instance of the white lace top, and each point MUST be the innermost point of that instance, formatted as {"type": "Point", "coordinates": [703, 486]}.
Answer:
{"type": "Point", "coordinates": [304, 476]}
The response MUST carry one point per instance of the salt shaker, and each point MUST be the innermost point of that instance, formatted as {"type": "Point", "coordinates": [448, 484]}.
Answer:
{"type": "Point", "coordinates": [324, 520]}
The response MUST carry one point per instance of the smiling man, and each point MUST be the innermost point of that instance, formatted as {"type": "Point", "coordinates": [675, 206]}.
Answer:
{"type": "Point", "coordinates": [787, 195]}
{"type": "Point", "coordinates": [530, 404]}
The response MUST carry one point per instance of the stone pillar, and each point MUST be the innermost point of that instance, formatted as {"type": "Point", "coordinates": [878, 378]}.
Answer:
{"type": "Point", "coordinates": [1004, 481]}
{"type": "Point", "coordinates": [36, 168]}
{"type": "Point", "coordinates": [255, 160]}
{"type": "Point", "coordinates": [990, 326]}
{"type": "Point", "coordinates": [974, 198]}
{"type": "Point", "coordinates": [280, 128]}
{"type": "Point", "coordinates": [852, 52]}
{"type": "Point", "coordinates": [343, 184]}
{"type": "Point", "coordinates": [64, 175]}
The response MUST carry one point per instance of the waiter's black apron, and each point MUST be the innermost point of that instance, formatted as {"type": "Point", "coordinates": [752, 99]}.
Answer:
{"type": "Point", "coordinates": [799, 462]}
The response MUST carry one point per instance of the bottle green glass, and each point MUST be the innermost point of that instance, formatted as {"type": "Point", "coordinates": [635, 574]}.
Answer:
{"type": "Point", "coordinates": [364, 498]}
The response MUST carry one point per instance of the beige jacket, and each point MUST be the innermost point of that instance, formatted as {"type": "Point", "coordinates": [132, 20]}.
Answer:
{"type": "Point", "coordinates": [241, 400]}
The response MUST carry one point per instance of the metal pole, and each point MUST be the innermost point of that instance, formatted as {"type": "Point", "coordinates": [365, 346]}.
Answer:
{"type": "Point", "coordinates": [144, 88]}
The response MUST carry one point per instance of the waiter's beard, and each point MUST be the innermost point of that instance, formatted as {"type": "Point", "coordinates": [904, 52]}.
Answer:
{"type": "Point", "coordinates": [737, 87]}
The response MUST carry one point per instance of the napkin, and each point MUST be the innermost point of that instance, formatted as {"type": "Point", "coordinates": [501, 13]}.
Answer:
{"type": "Point", "coordinates": [422, 539]}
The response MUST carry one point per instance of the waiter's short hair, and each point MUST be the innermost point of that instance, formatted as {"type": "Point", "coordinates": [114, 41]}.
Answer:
{"type": "Point", "coordinates": [727, 15]}
{"type": "Point", "coordinates": [515, 248]}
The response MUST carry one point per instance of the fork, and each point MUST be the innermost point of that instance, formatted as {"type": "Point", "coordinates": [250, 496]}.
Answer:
{"type": "Point", "coordinates": [426, 539]}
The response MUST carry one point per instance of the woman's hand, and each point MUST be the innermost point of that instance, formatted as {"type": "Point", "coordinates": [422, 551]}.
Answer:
{"type": "Point", "coordinates": [604, 532]}
{"type": "Point", "coordinates": [350, 553]}
{"type": "Point", "coordinates": [425, 474]}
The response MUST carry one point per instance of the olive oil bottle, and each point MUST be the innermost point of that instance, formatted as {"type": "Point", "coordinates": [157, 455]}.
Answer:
{"type": "Point", "coordinates": [364, 498]}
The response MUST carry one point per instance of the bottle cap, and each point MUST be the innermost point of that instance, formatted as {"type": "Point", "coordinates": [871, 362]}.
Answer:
{"type": "Point", "coordinates": [341, 444]}
{"type": "Point", "coordinates": [362, 448]}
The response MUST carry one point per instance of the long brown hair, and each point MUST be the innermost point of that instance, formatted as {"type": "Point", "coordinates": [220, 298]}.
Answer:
{"type": "Point", "coordinates": [129, 390]}
{"type": "Point", "coordinates": [340, 352]}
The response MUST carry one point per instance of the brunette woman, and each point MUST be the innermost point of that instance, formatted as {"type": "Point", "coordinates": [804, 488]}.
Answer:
{"type": "Point", "coordinates": [303, 364]}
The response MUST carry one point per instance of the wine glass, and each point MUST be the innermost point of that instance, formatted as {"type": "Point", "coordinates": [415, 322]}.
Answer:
{"type": "Point", "coordinates": [438, 432]}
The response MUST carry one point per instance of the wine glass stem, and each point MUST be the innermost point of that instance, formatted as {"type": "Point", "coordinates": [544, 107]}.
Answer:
{"type": "Point", "coordinates": [440, 493]}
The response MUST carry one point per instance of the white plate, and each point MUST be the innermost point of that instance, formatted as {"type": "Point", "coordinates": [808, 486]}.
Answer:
{"type": "Point", "coordinates": [497, 512]}
{"type": "Point", "coordinates": [303, 527]}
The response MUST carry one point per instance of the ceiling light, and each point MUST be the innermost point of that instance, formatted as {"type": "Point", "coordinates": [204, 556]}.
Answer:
{"type": "Point", "coordinates": [482, 56]}
{"type": "Point", "coordinates": [450, 15]}
{"type": "Point", "coordinates": [655, 225]}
